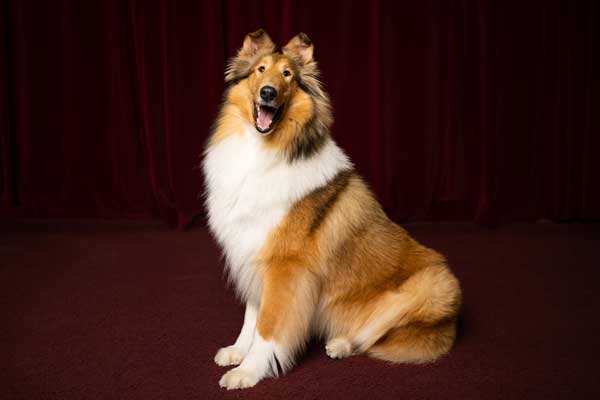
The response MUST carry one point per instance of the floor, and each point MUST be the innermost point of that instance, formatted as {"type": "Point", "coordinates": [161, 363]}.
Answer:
{"type": "Point", "coordinates": [130, 310]}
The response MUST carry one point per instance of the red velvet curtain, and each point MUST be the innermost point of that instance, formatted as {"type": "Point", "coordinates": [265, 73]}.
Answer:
{"type": "Point", "coordinates": [484, 110]}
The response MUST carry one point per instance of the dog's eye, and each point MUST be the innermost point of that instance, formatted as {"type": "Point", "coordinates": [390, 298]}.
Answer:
{"type": "Point", "coordinates": [261, 68]}
{"type": "Point", "coordinates": [286, 73]}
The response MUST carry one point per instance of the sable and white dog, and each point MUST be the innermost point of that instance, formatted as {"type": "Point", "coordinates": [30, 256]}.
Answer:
{"type": "Point", "coordinates": [306, 244]}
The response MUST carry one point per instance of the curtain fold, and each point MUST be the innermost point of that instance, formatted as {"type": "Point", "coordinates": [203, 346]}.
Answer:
{"type": "Point", "coordinates": [468, 110]}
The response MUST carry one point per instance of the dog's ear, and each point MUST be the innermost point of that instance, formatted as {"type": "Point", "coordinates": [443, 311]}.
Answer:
{"type": "Point", "coordinates": [255, 45]}
{"type": "Point", "coordinates": [256, 41]}
{"type": "Point", "coordinates": [300, 48]}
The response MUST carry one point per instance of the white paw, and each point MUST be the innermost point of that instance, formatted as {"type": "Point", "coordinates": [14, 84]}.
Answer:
{"type": "Point", "coordinates": [338, 348]}
{"type": "Point", "coordinates": [238, 379]}
{"type": "Point", "coordinates": [229, 355]}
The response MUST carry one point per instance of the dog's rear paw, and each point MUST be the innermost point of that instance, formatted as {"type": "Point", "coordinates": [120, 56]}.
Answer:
{"type": "Point", "coordinates": [338, 348]}
{"type": "Point", "coordinates": [238, 379]}
{"type": "Point", "coordinates": [229, 355]}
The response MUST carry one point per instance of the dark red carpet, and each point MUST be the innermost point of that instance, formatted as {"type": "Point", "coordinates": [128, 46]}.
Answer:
{"type": "Point", "coordinates": [137, 311]}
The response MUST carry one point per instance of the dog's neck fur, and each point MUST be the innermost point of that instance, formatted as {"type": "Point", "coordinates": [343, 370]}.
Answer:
{"type": "Point", "coordinates": [250, 188]}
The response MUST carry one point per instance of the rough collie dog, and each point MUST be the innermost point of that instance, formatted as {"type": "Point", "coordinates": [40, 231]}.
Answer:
{"type": "Point", "coordinates": [307, 246]}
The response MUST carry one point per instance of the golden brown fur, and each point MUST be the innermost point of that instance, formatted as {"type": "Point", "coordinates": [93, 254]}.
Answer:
{"type": "Point", "coordinates": [349, 272]}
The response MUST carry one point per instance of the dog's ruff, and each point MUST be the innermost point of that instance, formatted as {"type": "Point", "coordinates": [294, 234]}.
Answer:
{"type": "Point", "coordinates": [250, 190]}
{"type": "Point", "coordinates": [306, 245]}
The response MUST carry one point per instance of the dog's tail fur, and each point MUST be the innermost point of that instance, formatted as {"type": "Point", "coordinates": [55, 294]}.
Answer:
{"type": "Point", "coordinates": [417, 323]}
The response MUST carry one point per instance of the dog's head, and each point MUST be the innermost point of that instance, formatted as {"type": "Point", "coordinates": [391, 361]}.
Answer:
{"type": "Point", "coordinates": [272, 78]}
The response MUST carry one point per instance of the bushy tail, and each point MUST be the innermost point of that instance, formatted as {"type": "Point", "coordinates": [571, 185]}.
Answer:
{"type": "Point", "coordinates": [435, 295]}
{"type": "Point", "coordinates": [429, 298]}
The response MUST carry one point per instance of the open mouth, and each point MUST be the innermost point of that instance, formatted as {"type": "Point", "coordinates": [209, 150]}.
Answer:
{"type": "Point", "coordinates": [266, 117]}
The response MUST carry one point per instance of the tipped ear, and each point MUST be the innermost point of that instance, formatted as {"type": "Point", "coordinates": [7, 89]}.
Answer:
{"type": "Point", "coordinates": [255, 44]}
{"type": "Point", "coordinates": [255, 41]}
{"type": "Point", "coordinates": [300, 47]}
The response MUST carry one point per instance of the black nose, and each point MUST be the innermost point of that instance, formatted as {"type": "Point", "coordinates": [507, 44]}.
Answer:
{"type": "Point", "coordinates": [268, 93]}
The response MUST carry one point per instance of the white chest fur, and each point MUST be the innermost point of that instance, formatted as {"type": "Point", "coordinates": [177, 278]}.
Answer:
{"type": "Point", "coordinates": [250, 189]}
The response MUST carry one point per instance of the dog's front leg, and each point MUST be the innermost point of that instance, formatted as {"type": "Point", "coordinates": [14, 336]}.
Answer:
{"type": "Point", "coordinates": [287, 305]}
{"type": "Point", "coordinates": [234, 354]}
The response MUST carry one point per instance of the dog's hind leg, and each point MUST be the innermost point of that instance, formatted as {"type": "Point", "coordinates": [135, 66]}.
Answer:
{"type": "Point", "coordinates": [234, 354]}
{"type": "Point", "coordinates": [287, 306]}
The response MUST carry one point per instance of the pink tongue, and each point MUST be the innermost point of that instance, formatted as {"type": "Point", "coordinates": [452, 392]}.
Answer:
{"type": "Point", "coordinates": [264, 118]}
